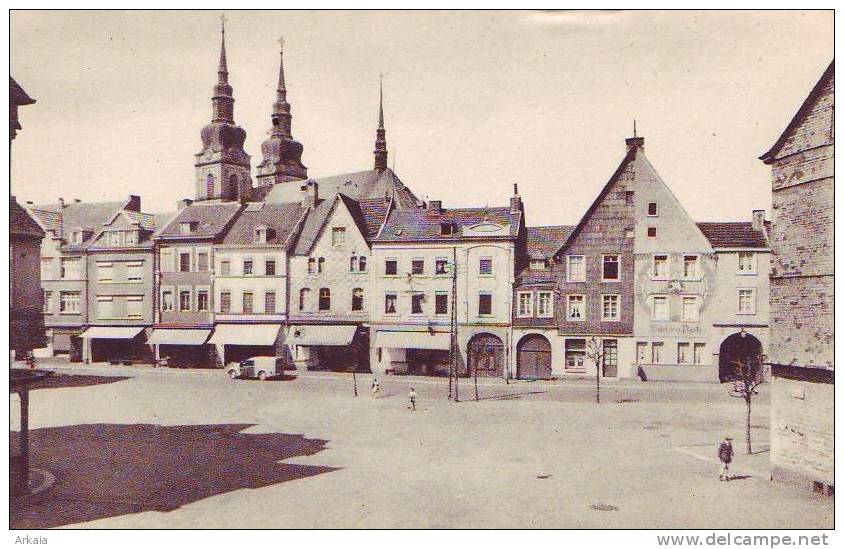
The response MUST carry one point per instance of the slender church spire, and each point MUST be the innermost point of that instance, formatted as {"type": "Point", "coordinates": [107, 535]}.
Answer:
{"type": "Point", "coordinates": [380, 134]}
{"type": "Point", "coordinates": [281, 116]}
{"type": "Point", "coordinates": [222, 101]}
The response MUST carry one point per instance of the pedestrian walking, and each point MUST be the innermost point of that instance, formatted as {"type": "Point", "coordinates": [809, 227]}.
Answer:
{"type": "Point", "coordinates": [725, 454]}
{"type": "Point", "coordinates": [376, 387]}
{"type": "Point", "coordinates": [412, 396]}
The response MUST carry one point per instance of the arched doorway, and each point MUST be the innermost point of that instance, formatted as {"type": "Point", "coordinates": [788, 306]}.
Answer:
{"type": "Point", "coordinates": [533, 357]}
{"type": "Point", "coordinates": [737, 347]}
{"type": "Point", "coordinates": [486, 356]}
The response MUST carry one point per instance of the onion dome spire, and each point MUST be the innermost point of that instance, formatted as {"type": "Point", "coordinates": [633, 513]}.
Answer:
{"type": "Point", "coordinates": [281, 116]}
{"type": "Point", "coordinates": [222, 101]}
{"type": "Point", "coordinates": [380, 134]}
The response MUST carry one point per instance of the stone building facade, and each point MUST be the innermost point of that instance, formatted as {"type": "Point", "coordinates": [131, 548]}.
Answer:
{"type": "Point", "coordinates": [802, 291]}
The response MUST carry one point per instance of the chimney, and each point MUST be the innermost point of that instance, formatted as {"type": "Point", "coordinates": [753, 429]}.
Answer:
{"type": "Point", "coordinates": [515, 200]}
{"type": "Point", "coordinates": [133, 204]}
{"type": "Point", "coordinates": [758, 220]}
{"type": "Point", "coordinates": [61, 202]}
{"type": "Point", "coordinates": [77, 201]}
{"type": "Point", "coordinates": [183, 203]}
{"type": "Point", "coordinates": [29, 202]}
{"type": "Point", "coordinates": [310, 194]}
{"type": "Point", "coordinates": [435, 206]}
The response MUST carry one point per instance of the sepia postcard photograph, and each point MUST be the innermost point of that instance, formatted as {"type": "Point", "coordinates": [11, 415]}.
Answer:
{"type": "Point", "coordinates": [422, 270]}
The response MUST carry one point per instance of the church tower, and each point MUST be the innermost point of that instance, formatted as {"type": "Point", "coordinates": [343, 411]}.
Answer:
{"type": "Point", "coordinates": [223, 167]}
{"type": "Point", "coordinates": [380, 134]}
{"type": "Point", "coordinates": [282, 154]}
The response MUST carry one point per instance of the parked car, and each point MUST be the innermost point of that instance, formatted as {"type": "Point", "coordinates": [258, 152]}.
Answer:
{"type": "Point", "coordinates": [257, 367]}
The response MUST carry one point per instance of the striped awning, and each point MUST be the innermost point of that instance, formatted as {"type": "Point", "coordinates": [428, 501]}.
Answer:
{"type": "Point", "coordinates": [167, 336]}
{"type": "Point", "coordinates": [322, 335]}
{"type": "Point", "coordinates": [245, 334]}
{"type": "Point", "coordinates": [439, 341]}
{"type": "Point", "coordinates": [111, 332]}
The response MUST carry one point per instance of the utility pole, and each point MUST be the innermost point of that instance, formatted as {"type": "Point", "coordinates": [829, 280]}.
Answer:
{"type": "Point", "coordinates": [453, 369]}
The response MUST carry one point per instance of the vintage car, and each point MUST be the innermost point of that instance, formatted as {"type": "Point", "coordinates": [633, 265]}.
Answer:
{"type": "Point", "coordinates": [256, 367]}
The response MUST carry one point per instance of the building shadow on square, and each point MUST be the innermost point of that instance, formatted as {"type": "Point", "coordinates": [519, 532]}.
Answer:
{"type": "Point", "coordinates": [107, 470]}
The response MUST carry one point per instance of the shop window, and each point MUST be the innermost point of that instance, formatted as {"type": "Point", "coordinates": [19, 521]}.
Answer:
{"type": "Point", "coordinates": [575, 353]}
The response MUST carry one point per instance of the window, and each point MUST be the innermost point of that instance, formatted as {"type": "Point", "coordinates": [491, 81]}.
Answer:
{"type": "Point", "coordinates": [610, 356]}
{"type": "Point", "coordinates": [357, 299]}
{"type": "Point", "coordinates": [440, 266]}
{"type": "Point", "coordinates": [746, 262]}
{"type": "Point", "coordinates": [269, 267]}
{"type": "Point", "coordinates": [135, 306]}
{"type": "Point", "coordinates": [660, 267]}
{"type": "Point", "coordinates": [691, 311]}
{"type": "Point", "coordinates": [184, 227]}
{"type": "Point", "coordinates": [225, 267]}
{"type": "Point", "coordinates": [167, 265]}
{"type": "Point", "coordinates": [202, 300]}
{"type": "Point", "coordinates": [131, 237]}
{"type": "Point", "coordinates": [167, 300]}
{"type": "Point", "coordinates": [484, 304]}
{"type": "Point", "coordinates": [390, 303]}
{"type": "Point", "coordinates": [46, 264]}
{"type": "Point", "coordinates": [247, 267]}
{"type": "Point", "coordinates": [248, 303]}
{"type": "Point", "coordinates": [660, 307]}
{"type": "Point", "coordinates": [651, 232]}
{"type": "Point", "coordinates": [338, 236]}
{"type": "Point", "coordinates": [746, 301]}
{"type": "Point", "coordinates": [683, 353]}
{"type": "Point", "coordinates": [485, 266]}
{"type": "Point", "coordinates": [353, 263]}
{"type": "Point", "coordinates": [610, 267]}
{"type": "Point", "coordinates": [320, 264]}
{"type": "Point", "coordinates": [641, 352]}
{"type": "Point", "coordinates": [575, 307]}
{"type": "Point", "coordinates": [446, 229]}
{"type": "Point", "coordinates": [71, 268]}
{"type": "Point", "coordinates": [538, 264]}
{"type": "Point", "coordinates": [48, 302]}
{"type": "Point", "coordinates": [69, 302]}
{"type": "Point", "coordinates": [184, 262]}
{"type": "Point", "coordinates": [105, 272]}
{"type": "Point", "coordinates": [202, 261]}
{"type": "Point", "coordinates": [417, 267]}
{"type": "Point", "coordinates": [656, 352]}
{"type": "Point", "coordinates": [76, 237]}
{"type": "Point", "coordinates": [184, 300]}
{"type": "Point", "coordinates": [652, 211]}
{"type": "Point", "coordinates": [260, 235]}
{"type": "Point", "coordinates": [304, 298]}
{"type": "Point", "coordinates": [576, 355]}
{"type": "Point", "coordinates": [416, 301]}
{"type": "Point", "coordinates": [324, 299]}
{"type": "Point", "coordinates": [209, 185]}
{"type": "Point", "coordinates": [441, 304]}
{"type": "Point", "coordinates": [576, 268]}
{"type": "Point", "coordinates": [114, 237]}
{"type": "Point", "coordinates": [362, 264]}
{"type": "Point", "coordinates": [698, 350]}
{"type": "Point", "coordinates": [610, 307]}
{"type": "Point", "coordinates": [391, 267]}
{"type": "Point", "coordinates": [525, 304]}
{"type": "Point", "coordinates": [545, 304]}
{"type": "Point", "coordinates": [105, 307]}
{"type": "Point", "coordinates": [269, 302]}
{"type": "Point", "coordinates": [135, 272]}
{"type": "Point", "coordinates": [225, 302]}
{"type": "Point", "coordinates": [690, 267]}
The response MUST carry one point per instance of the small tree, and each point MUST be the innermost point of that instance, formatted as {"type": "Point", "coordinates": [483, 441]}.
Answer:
{"type": "Point", "coordinates": [595, 353]}
{"type": "Point", "coordinates": [748, 375]}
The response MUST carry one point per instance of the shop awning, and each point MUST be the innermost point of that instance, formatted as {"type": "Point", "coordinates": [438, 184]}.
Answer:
{"type": "Point", "coordinates": [166, 336]}
{"type": "Point", "coordinates": [322, 335]}
{"type": "Point", "coordinates": [413, 340]}
{"type": "Point", "coordinates": [111, 332]}
{"type": "Point", "coordinates": [245, 334]}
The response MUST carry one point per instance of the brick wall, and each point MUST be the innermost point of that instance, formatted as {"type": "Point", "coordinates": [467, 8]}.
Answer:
{"type": "Point", "coordinates": [802, 321]}
{"type": "Point", "coordinates": [802, 229]}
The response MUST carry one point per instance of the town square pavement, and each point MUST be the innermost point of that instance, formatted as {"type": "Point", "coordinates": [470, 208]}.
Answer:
{"type": "Point", "coordinates": [183, 449]}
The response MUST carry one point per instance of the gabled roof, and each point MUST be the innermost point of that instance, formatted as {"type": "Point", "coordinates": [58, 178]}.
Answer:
{"type": "Point", "coordinates": [543, 242]}
{"type": "Point", "coordinates": [804, 109]}
{"type": "Point", "coordinates": [364, 185]}
{"type": "Point", "coordinates": [424, 224]}
{"type": "Point", "coordinates": [281, 218]}
{"type": "Point", "coordinates": [734, 234]}
{"type": "Point", "coordinates": [21, 222]}
{"type": "Point", "coordinates": [87, 216]}
{"type": "Point", "coordinates": [144, 220]}
{"type": "Point", "coordinates": [368, 214]}
{"type": "Point", "coordinates": [312, 226]}
{"type": "Point", "coordinates": [211, 219]}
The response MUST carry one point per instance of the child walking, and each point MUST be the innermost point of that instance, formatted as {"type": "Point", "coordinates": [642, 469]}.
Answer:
{"type": "Point", "coordinates": [412, 396]}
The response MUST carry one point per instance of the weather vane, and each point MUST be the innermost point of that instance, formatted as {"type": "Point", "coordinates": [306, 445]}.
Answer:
{"type": "Point", "coordinates": [281, 42]}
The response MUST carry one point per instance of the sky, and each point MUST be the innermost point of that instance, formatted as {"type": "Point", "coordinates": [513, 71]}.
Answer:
{"type": "Point", "coordinates": [474, 101]}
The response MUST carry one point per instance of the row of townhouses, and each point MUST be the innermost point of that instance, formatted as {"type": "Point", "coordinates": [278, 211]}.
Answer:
{"type": "Point", "coordinates": [353, 271]}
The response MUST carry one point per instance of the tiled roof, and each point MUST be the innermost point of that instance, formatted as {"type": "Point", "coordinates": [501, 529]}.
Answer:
{"type": "Point", "coordinates": [50, 220]}
{"type": "Point", "coordinates": [362, 185]}
{"type": "Point", "coordinates": [20, 222]}
{"type": "Point", "coordinates": [733, 234]}
{"type": "Point", "coordinates": [211, 219]}
{"type": "Point", "coordinates": [316, 218]}
{"type": "Point", "coordinates": [144, 220]}
{"type": "Point", "coordinates": [88, 216]}
{"type": "Point", "coordinates": [281, 218]}
{"type": "Point", "coordinates": [424, 224]}
{"type": "Point", "coordinates": [543, 242]}
{"type": "Point", "coordinates": [369, 214]}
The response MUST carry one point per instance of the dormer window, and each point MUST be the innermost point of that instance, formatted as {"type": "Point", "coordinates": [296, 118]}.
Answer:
{"type": "Point", "coordinates": [186, 227]}
{"type": "Point", "coordinates": [261, 235]}
{"type": "Point", "coordinates": [446, 229]}
{"type": "Point", "coordinates": [538, 264]}
{"type": "Point", "coordinates": [76, 237]}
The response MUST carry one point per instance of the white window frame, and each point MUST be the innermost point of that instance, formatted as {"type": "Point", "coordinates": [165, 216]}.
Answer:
{"type": "Point", "coordinates": [569, 277]}
{"type": "Point", "coordinates": [618, 266]}
{"type": "Point", "coordinates": [667, 275]}
{"type": "Point", "coordinates": [105, 268]}
{"type": "Point", "coordinates": [135, 268]}
{"type": "Point", "coordinates": [688, 357]}
{"type": "Point", "coordinates": [697, 274]}
{"type": "Point", "coordinates": [695, 358]}
{"type": "Point", "coordinates": [696, 300]}
{"type": "Point", "coordinates": [206, 289]}
{"type": "Point", "coordinates": [395, 296]}
{"type": "Point", "coordinates": [172, 291]}
{"type": "Point", "coordinates": [78, 302]}
{"type": "Point", "coordinates": [569, 318]}
{"type": "Point", "coordinates": [654, 316]}
{"type": "Point", "coordinates": [528, 311]}
{"type": "Point", "coordinates": [754, 302]}
{"type": "Point", "coordinates": [135, 299]}
{"type": "Point", "coordinates": [335, 232]}
{"type": "Point", "coordinates": [491, 272]}
{"type": "Point", "coordinates": [550, 312]}
{"type": "Point", "coordinates": [753, 259]}
{"type": "Point", "coordinates": [618, 308]}
{"type": "Point", "coordinates": [661, 352]}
